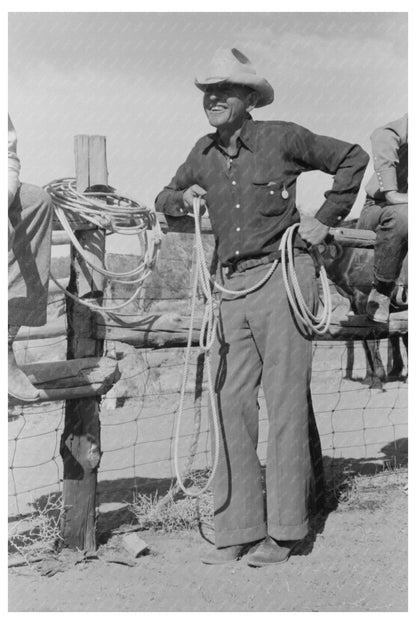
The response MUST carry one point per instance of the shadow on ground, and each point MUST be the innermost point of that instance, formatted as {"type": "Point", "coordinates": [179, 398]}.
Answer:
{"type": "Point", "coordinates": [114, 497]}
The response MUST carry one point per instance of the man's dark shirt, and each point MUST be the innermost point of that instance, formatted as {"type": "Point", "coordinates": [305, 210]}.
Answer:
{"type": "Point", "coordinates": [251, 197]}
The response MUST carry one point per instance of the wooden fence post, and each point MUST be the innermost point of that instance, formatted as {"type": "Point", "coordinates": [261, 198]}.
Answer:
{"type": "Point", "coordinates": [80, 442]}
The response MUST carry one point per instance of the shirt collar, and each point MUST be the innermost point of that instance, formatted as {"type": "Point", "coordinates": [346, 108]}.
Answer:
{"type": "Point", "coordinates": [246, 137]}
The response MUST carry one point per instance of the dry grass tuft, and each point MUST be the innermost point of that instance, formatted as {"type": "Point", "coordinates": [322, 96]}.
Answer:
{"type": "Point", "coordinates": [168, 514]}
{"type": "Point", "coordinates": [40, 533]}
{"type": "Point", "coordinates": [371, 491]}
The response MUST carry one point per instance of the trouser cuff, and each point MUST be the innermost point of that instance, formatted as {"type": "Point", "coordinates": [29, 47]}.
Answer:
{"type": "Point", "coordinates": [240, 536]}
{"type": "Point", "coordinates": [289, 532]}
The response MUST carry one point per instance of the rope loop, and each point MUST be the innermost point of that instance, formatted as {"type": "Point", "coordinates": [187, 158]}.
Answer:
{"type": "Point", "coordinates": [318, 324]}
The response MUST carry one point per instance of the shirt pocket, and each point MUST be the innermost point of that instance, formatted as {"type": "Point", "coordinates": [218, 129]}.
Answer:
{"type": "Point", "coordinates": [272, 197]}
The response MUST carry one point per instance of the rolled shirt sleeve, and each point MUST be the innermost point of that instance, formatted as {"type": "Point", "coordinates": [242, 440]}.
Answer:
{"type": "Point", "coordinates": [14, 162]}
{"type": "Point", "coordinates": [345, 161]}
{"type": "Point", "coordinates": [386, 143]}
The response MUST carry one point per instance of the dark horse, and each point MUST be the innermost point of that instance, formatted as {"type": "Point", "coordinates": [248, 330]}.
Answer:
{"type": "Point", "coordinates": [351, 271]}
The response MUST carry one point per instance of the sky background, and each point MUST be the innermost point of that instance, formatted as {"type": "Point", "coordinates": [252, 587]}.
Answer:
{"type": "Point", "coordinates": [129, 76]}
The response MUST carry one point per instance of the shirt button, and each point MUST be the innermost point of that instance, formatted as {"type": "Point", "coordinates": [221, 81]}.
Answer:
{"type": "Point", "coordinates": [234, 182]}
{"type": "Point", "coordinates": [237, 205]}
{"type": "Point", "coordinates": [237, 229]}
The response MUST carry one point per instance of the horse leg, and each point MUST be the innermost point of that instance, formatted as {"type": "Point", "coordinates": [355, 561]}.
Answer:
{"type": "Point", "coordinates": [375, 373]}
{"type": "Point", "coordinates": [395, 362]}
{"type": "Point", "coordinates": [405, 339]}
{"type": "Point", "coordinates": [350, 359]}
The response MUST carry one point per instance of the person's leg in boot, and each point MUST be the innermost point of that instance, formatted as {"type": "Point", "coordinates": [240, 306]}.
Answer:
{"type": "Point", "coordinates": [389, 252]}
{"type": "Point", "coordinates": [238, 494]}
{"type": "Point", "coordinates": [287, 356]}
{"type": "Point", "coordinates": [30, 226]}
{"type": "Point", "coordinates": [20, 387]}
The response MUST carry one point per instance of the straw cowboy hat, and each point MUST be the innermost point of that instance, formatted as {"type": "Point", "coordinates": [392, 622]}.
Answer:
{"type": "Point", "coordinates": [233, 66]}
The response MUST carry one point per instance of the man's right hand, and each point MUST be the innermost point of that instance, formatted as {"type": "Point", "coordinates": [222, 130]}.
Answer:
{"type": "Point", "coordinates": [188, 197]}
{"type": "Point", "coordinates": [394, 198]}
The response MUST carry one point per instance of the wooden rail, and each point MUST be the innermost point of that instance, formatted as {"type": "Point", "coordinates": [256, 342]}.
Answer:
{"type": "Point", "coordinates": [348, 237]}
{"type": "Point", "coordinates": [72, 379]}
{"type": "Point", "coordinates": [171, 329]}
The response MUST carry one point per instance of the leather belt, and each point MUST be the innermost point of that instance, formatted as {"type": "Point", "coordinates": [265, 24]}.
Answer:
{"type": "Point", "coordinates": [249, 263]}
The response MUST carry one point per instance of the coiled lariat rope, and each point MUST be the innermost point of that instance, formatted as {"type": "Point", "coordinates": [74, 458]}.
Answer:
{"type": "Point", "coordinates": [310, 321]}
{"type": "Point", "coordinates": [116, 214]}
{"type": "Point", "coordinates": [318, 324]}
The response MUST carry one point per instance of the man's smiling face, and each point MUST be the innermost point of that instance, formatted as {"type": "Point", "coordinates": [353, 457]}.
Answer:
{"type": "Point", "coordinates": [227, 104]}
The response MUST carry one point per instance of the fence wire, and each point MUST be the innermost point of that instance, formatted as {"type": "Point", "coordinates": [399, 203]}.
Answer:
{"type": "Point", "coordinates": [360, 428]}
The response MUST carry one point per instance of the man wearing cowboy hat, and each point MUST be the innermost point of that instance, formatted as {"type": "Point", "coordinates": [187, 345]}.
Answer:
{"type": "Point", "coordinates": [246, 174]}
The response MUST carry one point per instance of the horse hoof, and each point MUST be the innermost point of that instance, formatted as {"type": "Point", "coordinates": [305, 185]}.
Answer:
{"type": "Point", "coordinates": [395, 373]}
{"type": "Point", "coordinates": [396, 377]}
{"type": "Point", "coordinates": [376, 384]}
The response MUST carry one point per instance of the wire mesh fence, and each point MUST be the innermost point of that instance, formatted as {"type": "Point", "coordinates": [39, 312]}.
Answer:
{"type": "Point", "coordinates": [360, 428]}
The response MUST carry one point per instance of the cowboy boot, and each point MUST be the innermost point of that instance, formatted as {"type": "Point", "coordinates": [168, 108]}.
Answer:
{"type": "Point", "coordinates": [227, 554]}
{"type": "Point", "coordinates": [19, 385]}
{"type": "Point", "coordinates": [378, 302]}
{"type": "Point", "coordinates": [399, 297]}
{"type": "Point", "coordinates": [271, 552]}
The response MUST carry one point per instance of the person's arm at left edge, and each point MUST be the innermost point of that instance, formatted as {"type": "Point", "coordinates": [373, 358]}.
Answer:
{"type": "Point", "coordinates": [13, 177]}
{"type": "Point", "coordinates": [13, 162]}
{"type": "Point", "coordinates": [347, 163]}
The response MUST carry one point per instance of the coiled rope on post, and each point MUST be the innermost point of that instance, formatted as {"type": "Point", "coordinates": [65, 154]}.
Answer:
{"type": "Point", "coordinates": [318, 324]}
{"type": "Point", "coordinates": [115, 213]}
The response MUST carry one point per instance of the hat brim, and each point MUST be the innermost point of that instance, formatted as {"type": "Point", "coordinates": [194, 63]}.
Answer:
{"type": "Point", "coordinates": [263, 89]}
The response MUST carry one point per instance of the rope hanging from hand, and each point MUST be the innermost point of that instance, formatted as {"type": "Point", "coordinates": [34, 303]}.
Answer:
{"type": "Point", "coordinates": [115, 213]}
{"type": "Point", "coordinates": [315, 323]}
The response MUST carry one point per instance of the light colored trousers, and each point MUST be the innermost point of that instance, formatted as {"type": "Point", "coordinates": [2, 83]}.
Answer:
{"type": "Point", "coordinates": [391, 226]}
{"type": "Point", "coordinates": [30, 227]}
{"type": "Point", "coordinates": [258, 341]}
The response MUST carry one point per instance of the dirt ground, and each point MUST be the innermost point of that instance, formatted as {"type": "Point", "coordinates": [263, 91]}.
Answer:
{"type": "Point", "coordinates": [354, 559]}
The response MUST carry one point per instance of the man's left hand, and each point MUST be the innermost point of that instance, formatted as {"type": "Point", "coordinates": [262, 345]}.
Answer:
{"type": "Point", "coordinates": [312, 231]}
